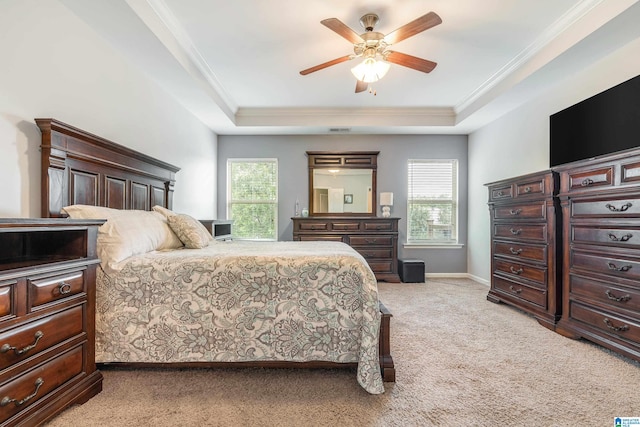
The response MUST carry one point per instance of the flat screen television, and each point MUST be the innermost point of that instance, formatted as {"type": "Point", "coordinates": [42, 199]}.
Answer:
{"type": "Point", "coordinates": [603, 124]}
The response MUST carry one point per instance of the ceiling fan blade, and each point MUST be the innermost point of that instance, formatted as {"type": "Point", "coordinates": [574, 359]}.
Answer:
{"type": "Point", "coordinates": [361, 86]}
{"type": "Point", "coordinates": [339, 27]}
{"type": "Point", "coordinates": [410, 61]}
{"type": "Point", "coordinates": [414, 27]}
{"type": "Point", "coordinates": [325, 65]}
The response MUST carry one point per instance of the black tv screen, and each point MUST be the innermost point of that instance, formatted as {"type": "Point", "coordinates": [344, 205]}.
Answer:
{"type": "Point", "coordinates": [605, 123]}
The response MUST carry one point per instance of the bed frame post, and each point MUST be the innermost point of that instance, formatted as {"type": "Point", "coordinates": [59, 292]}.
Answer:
{"type": "Point", "coordinates": [387, 368]}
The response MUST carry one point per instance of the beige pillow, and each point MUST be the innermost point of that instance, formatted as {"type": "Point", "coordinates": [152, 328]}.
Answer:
{"type": "Point", "coordinates": [126, 232]}
{"type": "Point", "coordinates": [191, 232]}
{"type": "Point", "coordinates": [163, 211]}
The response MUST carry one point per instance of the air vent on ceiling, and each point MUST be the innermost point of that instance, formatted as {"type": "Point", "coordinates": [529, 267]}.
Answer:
{"type": "Point", "coordinates": [340, 130]}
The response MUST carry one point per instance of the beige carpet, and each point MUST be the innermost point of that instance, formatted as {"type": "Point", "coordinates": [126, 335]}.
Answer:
{"type": "Point", "coordinates": [460, 360]}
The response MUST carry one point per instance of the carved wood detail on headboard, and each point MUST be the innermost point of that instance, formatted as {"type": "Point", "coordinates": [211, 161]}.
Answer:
{"type": "Point", "coordinates": [78, 167]}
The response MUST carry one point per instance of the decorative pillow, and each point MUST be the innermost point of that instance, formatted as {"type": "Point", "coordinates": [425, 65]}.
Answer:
{"type": "Point", "coordinates": [126, 232]}
{"type": "Point", "coordinates": [163, 211]}
{"type": "Point", "coordinates": [193, 234]}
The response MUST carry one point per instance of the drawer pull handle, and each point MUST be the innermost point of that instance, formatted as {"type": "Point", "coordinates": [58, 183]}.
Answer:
{"type": "Point", "coordinates": [624, 238]}
{"type": "Point", "coordinates": [586, 182]}
{"type": "Point", "coordinates": [620, 209]}
{"type": "Point", "coordinates": [6, 400]}
{"type": "Point", "coordinates": [6, 347]}
{"type": "Point", "coordinates": [515, 212]}
{"type": "Point", "coordinates": [64, 288]}
{"type": "Point", "coordinates": [516, 232]}
{"type": "Point", "coordinates": [516, 251]}
{"type": "Point", "coordinates": [499, 194]}
{"type": "Point", "coordinates": [379, 227]}
{"type": "Point", "coordinates": [618, 299]}
{"type": "Point", "coordinates": [611, 326]}
{"type": "Point", "coordinates": [527, 189]}
{"type": "Point", "coordinates": [514, 271]}
{"type": "Point", "coordinates": [371, 241]}
{"type": "Point", "coordinates": [517, 291]}
{"type": "Point", "coordinates": [612, 266]}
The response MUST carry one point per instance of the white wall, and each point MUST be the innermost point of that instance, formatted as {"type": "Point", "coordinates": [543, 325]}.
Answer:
{"type": "Point", "coordinates": [518, 143]}
{"type": "Point", "coordinates": [54, 65]}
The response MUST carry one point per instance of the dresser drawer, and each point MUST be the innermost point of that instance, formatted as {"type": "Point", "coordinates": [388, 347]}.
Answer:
{"type": "Point", "coordinates": [501, 193]}
{"type": "Point", "coordinates": [317, 237]}
{"type": "Point", "coordinates": [31, 338]}
{"type": "Point", "coordinates": [377, 226]}
{"type": "Point", "coordinates": [536, 274]}
{"type": "Point", "coordinates": [598, 177]}
{"type": "Point", "coordinates": [47, 289]}
{"type": "Point", "coordinates": [375, 253]}
{"type": "Point", "coordinates": [314, 225]}
{"type": "Point", "coordinates": [517, 250]}
{"type": "Point", "coordinates": [521, 290]}
{"type": "Point", "coordinates": [616, 208]}
{"type": "Point", "coordinates": [611, 294]}
{"type": "Point", "coordinates": [515, 231]}
{"type": "Point", "coordinates": [345, 226]}
{"type": "Point", "coordinates": [608, 322]}
{"type": "Point", "coordinates": [7, 292]}
{"type": "Point", "coordinates": [605, 264]}
{"type": "Point", "coordinates": [37, 383]}
{"type": "Point", "coordinates": [622, 237]}
{"type": "Point", "coordinates": [523, 211]}
{"type": "Point", "coordinates": [532, 187]}
{"type": "Point", "coordinates": [371, 240]}
{"type": "Point", "coordinates": [381, 266]}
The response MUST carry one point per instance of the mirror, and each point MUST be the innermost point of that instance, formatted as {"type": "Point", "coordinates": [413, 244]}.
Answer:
{"type": "Point", "coordinates": [342, 183]}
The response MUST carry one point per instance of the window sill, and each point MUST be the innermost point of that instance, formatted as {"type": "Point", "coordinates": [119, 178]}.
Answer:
{"type": "Point", "coordinates": [434, 245]}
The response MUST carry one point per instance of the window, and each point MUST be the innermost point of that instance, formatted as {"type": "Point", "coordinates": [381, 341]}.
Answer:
{"type": "Point", "coordinates": [252, 198]}
{"type": "Point", "coordinates": [432, 201]}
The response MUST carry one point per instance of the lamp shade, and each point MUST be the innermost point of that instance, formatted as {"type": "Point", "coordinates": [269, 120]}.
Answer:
{"type": "Point", "coordinates": [386, 199]}
{"type": "Point", "coordinates": [370, 70]}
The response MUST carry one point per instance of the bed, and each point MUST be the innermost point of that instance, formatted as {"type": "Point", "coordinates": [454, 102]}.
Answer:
{"type": "Point", "coordinates": [196, 301]}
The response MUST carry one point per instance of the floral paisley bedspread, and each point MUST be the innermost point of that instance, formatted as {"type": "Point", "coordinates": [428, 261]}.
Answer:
{"type": "Point", "coordinates": [242, 301]}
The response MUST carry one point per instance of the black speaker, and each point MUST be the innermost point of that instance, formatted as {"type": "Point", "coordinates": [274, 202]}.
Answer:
{"type": "Point", "coordinates": [411, 270]}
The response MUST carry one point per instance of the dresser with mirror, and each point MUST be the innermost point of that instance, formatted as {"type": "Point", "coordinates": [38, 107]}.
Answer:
{"type": "Point", "coordinates": [342, 208]}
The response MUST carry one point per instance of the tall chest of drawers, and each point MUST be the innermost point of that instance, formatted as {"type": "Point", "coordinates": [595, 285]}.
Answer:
{"type": "Point", "coordinates": [525, 261]}
{"type": "Point", "coordinates": [375, 238]}
{"type": "Point", "coordinates": [47, 303]}
{"type": "Point", "coordinates": [601, 273]}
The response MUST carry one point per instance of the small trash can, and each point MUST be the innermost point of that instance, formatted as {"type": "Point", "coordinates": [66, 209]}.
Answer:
{"type": "Point", "coordinates": [411, 270]}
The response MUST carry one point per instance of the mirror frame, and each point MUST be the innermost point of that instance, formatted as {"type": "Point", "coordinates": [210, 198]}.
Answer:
{"type": "Point", "coordinates": [344, 160]}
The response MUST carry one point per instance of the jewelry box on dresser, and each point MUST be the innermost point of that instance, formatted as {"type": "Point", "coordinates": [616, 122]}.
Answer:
{"type": "Point", "coordinates": [47, 310]}
{"type": "Point", "coordinates": [525, 243]}
{"type": "Point", "coordinates": [600, 200]}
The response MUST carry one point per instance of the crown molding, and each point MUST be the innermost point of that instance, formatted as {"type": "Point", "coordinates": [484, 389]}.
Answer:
{"type": "Point", "coordinates": [545, 38]}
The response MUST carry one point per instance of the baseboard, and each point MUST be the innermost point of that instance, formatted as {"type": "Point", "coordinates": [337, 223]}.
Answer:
{"type": "Point", "coordinates": [457, 276]}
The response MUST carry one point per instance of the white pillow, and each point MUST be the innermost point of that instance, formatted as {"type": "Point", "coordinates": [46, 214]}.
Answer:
{"type": "Point", "coordinates": [190, 231]}
{"type": "Point", "coordinates": [126, 232]}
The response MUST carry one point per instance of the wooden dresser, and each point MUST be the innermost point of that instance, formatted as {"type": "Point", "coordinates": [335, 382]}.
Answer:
{"type": "Point", "coordinates": [601, 272]}
{"type": "Point", "coordinates": [525, 245]}
{"type": "Point", "coordinates": [375, 238]}
{"type": "Point", "coordinates": [47, 311]}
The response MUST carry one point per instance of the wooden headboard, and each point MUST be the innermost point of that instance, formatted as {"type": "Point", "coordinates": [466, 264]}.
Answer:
{"type": "Point", "coordinates": [78, 167]}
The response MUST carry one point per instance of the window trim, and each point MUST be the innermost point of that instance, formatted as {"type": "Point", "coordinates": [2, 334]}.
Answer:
{"type": "Point", "coordinates": [254, 202]}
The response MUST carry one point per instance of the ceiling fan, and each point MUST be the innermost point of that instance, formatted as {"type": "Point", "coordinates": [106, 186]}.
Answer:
{"type": "Point", "coordinates": [373, 47]}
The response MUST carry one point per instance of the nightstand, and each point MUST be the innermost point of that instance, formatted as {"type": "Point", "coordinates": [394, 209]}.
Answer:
{"type": "Point", "coordinates": [47, 315]}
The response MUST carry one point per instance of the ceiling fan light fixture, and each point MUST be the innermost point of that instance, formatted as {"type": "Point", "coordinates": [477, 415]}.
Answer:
{"type": "Point", "coordinates": [370, 70]}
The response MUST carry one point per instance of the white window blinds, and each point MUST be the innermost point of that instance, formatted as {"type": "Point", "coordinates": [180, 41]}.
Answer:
{"type": "Point", "coordinates": [432, 201]}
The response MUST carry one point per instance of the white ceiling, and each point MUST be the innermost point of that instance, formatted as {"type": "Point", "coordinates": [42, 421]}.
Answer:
{"type": "Point", "coordinates": [235, 64]}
